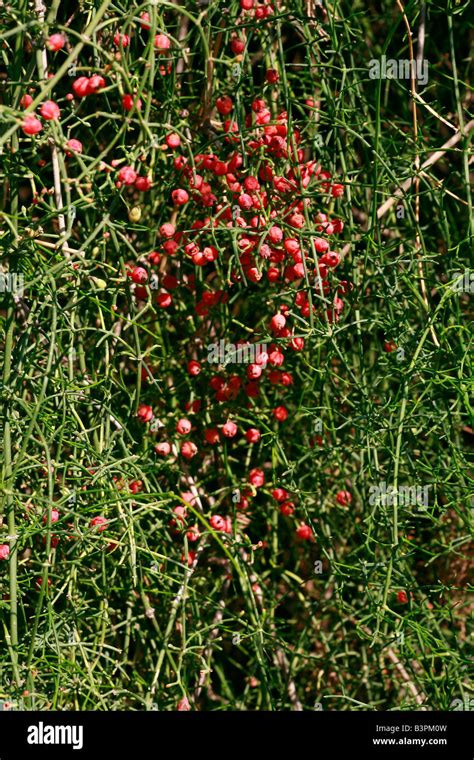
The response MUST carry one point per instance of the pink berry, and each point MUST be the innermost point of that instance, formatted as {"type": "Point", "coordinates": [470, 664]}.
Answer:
{"type": "Point", "coordinates": [167, 230]}
{"type": "Point", "coordinates": [145, 20]}
{"type": "Point", "coordinates": [257, 477]}
{"type": "Point", "coordinates": [127, 175]}
{"type": "Point", "coordinates": [31, 125]}
{"type": "Point", "coordinates": [54, 516]}
{"type": "Point", "coordinates": [74, 145]}
{"type": "Point", "coordinates": [121, 39]}
{"type": "Point", "coordinates": [183, 426]}
{"type": "Point", "coordinates": [55, 42]}
{"type": "Point", "coordinates": [94, 84]}
{"type": "Point", "coordinates": [275, 234]}
{"type": "Point", "coordinates": [4, 551]}
{"type": "Point", "coordinates": [173, 141]}
{"type": "Point", "coordinates": [162, 43]}
{"type": "Point", "coordinates": [50, 110]}
{"type": "Point", "coordinates": [26, 100]}
{"type": "Point", "coordinates": [229, 429]}
{"type": "Point", "coordinates": [189, 450]}
{"type": "Point", "coordinates": [321, 245]}
{"type": "Point", "coordinates": [245, 201]}
{"type": "Point", "coordinates": [163, 449]}
{"type": "Point", "coordinates": [217, 522]}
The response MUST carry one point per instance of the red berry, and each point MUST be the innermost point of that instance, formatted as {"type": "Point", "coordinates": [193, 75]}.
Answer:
{"type": "Point", "coordinates": [180, 197]}
{"type": "Point", "coordinates": [304, 532]}
{"type": "Point", "coordinates": [253, 435]}
{"type": "Point", "coordinates": [128, 102]}
{"type": "Point", "coordinates": [194, 368]}
{"type": "Point", "coordinates": [344, 498]}
{"type": "Point", "coordinates": [280, 413]}
{"type": "Point", "coordinates": [164, 300]}
{"type": "Point", "coordinates": [94, 84]}
{"type": "Point", "coordinates": [100, 523]}
{"type": "Point", "coordinates": [224, 105]}
{"type": "Point", "coordinates": [193, 534]}
{"type": "Point", "coordinates": [237, 46]}
{"type": "Point", "coordinates": [145, 413]}
{"type": "Point", "coordinates": [272, 76]}
{"type": "Point", "coordinates": [139, 275]}
{"type": "Point", "coordinates": [81, 86]}
{"type": "Point", "coordinates": [211, 435]}
{"type": "Point", "coordinates": [143, 184]}
{"type": "Point", "coordinates": [278, 322]}
{"type": "Point", "coordinates": [287, 508]}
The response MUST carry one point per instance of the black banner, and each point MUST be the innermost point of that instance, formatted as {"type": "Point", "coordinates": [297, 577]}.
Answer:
{"type": "Point", "coordinates": [123, 735]}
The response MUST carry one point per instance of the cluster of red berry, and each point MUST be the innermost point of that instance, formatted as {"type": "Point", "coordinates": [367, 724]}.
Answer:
{"type": "Point", "coordinates": [249, 239]}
